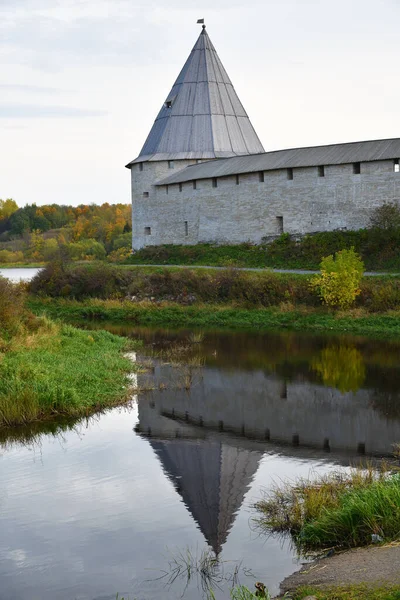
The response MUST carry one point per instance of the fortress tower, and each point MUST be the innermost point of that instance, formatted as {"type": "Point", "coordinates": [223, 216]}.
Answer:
{"type": "Point", "coordinates": [239, 193]}
{"type": "Point", "coordinates": [201, 119]}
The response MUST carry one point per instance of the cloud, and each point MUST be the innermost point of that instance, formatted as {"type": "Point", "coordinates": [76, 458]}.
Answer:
{"type": "Point", "coordinates": [32, 111]}
{"type": "Point", "coordinates": [36, 89]}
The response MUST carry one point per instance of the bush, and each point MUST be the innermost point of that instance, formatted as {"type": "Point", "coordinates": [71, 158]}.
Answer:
{"type": "Point", "coordinates": [7, 256]}
{"type": "Point", "coordinates": [386, 217]}
{"type": "Point", "coordinates": [97, 280]}
{"type": "Point", "coordinates": [86, 250]}
{"type": "Point", "coordinates": [12, 298]}
{"type": "Point", "coordinates": [340, 278]}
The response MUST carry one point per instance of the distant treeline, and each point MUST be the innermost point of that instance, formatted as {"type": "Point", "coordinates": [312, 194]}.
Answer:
{"type": "Point", "coordinates": [36, 233]}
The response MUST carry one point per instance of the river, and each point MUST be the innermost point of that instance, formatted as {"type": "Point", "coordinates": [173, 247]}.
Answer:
{"type": "Point", "coordinates": [19, 274]}
{"type": "Point", "coordinates": [111, 504]}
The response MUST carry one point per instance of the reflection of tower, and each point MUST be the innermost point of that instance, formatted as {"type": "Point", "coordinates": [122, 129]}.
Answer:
{"type": "Point", "coordinates": [212, 477]}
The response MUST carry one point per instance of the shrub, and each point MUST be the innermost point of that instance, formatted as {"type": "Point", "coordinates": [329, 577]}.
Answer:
{"type": "Point", "coordinates": [97, 280]}
{"type": "Point", "coordinates": [386, 216]}
{"type": "Point", "coordinates": [338, 284]}
{"type": "Point", "coordinates": [12, 298]}
{"type": "Point", "coordinates": [88, 249]}
{"type": "Point", "coordinates": [7, 256]}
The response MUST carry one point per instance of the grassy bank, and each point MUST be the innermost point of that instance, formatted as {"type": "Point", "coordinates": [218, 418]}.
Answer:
{"type": "Point", "coordinates": [352, 592]}
{"type": "Point", "coordinates": [49, 369]}
{"type": "Point", "coordinates": [60, 370]}
{"type": "Point", "coordinates": [26, 265]}
{"type": "Point", "coordinates": [338, 510]}
{"type": "Point", "coordinates": [217, 316]}
{"type": "Point", "coordinates": [377, 247]}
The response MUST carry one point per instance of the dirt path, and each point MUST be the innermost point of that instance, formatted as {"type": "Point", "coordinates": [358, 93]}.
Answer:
{"type": "Point", "coordinates": [372, 566]}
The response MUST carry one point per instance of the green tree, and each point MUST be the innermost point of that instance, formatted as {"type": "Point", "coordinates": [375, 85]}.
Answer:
{"type": "Point", "coordinates": [338, 284]}
{"type": "Point", "coordinates": [86, 250]}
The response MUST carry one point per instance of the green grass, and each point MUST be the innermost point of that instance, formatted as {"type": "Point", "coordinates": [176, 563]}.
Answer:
{"type": "Point", "coordinates": [60, 370]}
{"type": "Point", "coordinates": [352, 592]}
{"type": "Point", "coordinates": [377, 247]}
{"type": "Point", "coordinates": [219, 316]}
{"type": "Point", "coordinates": [27, 265]}
{"type": "Point", "coordinates": [336, 510]}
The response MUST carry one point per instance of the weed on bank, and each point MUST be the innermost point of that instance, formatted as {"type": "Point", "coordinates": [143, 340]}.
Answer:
{"type": "Point", "coordinates": [337, 510]}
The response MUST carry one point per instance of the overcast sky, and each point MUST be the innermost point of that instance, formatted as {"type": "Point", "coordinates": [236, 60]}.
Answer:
{"type": "Point", "coordinates": [81, 81]}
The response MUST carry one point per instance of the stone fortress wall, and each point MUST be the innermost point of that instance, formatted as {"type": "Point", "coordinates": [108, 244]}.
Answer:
{"type": "Point", "coordinates": [248, 207]}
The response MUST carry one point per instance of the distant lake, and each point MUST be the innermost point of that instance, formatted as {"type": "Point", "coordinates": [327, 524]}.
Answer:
{"type": "Point", "coordinates": [22, 274]}
{"type": "Point", "coordinates": [110, 504]}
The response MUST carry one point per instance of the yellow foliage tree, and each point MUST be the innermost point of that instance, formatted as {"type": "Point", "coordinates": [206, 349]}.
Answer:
{"type": "Point", "coordinates": [338, 284]}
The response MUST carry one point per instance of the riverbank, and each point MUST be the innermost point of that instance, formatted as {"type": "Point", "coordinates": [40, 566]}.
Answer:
{"type": "Point", "coordinates": [371, 573]}
{"type": "Point", "coordinates": [352, 519]}
{"type": "Point", "coordinates": [50, 369]}
{"type": "Point", "coordinates": [61, 371]}
{"type": "Point", "coordinates": [216, 316]}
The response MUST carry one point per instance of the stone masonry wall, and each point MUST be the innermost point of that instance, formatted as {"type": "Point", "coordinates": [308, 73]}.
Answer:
{"type": "Point", "coordinates": [248, 211]}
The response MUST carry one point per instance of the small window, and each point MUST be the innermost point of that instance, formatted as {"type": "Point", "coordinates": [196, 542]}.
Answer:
{"type": "Point", "coordinates": [321, 171]}
{"type": "Point", "coordinates": [356, 168]}
{"type": "Point", "coordinates": [147, 231]}
{"type": "Point", "coordinates": [396, 166]}
{"type": "Point", "coordinates": [279, 224]}
{"type": "Point", "coordinates": [180, 187]}
{"type": "Point", "coordinates": [290, 174]}
{"type": "Point", "coordinates": [168, 104]}
{"type": "Point", "coordinates": [186, 228]}
{"type": "Point", "coordinates": [140, 166]}
{"type": "Point", "coordinates": [166, 189]}
{"type": "Point", "coordinates": [145, 194]}
{"type": "Point", "coordinates": [237, 180]}
{"type": "Point", "coordinates": [215, 182]}
{"type": "Point", "coordinates": [171, 164]}
{"type": "Point", "coordinates": [194, 184]}
{"type": "Point", "coordinates": [261, 177]}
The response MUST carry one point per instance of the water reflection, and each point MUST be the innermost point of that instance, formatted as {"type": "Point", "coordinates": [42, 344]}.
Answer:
{"type": "Point", "coordinates": [113, 498]}
{"type": "Point", "coordinates": [212, 478]}
{"type": "Point", "coordinates": [341, 367]}
{"type": "Point", "coordinates": [322, 393]}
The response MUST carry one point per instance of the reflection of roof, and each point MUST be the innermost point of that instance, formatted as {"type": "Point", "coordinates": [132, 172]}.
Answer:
{"type": "Point", "coordinates": [335, 154]}
{"type": "Point", "coordinates": [212, 479]}
{"type": "Point", "coordinates": [202, 116]}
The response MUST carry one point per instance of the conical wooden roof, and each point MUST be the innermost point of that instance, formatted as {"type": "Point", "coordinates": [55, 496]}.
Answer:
{"type": "Point", "coordinates": [202, 116]}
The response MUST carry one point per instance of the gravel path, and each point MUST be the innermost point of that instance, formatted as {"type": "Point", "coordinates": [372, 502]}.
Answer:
{"type": "Point", "coordinates": [294, 271]}
{"type": "Point", "coordinates": [372, 566]}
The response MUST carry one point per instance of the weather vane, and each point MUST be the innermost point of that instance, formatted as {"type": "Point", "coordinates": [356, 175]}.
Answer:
{"type": "Point", "coordinates": [201, 21]}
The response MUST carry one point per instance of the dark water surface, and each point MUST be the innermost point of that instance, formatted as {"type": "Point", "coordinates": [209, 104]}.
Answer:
{"type": "Point", "coordinates": [108, 505]}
